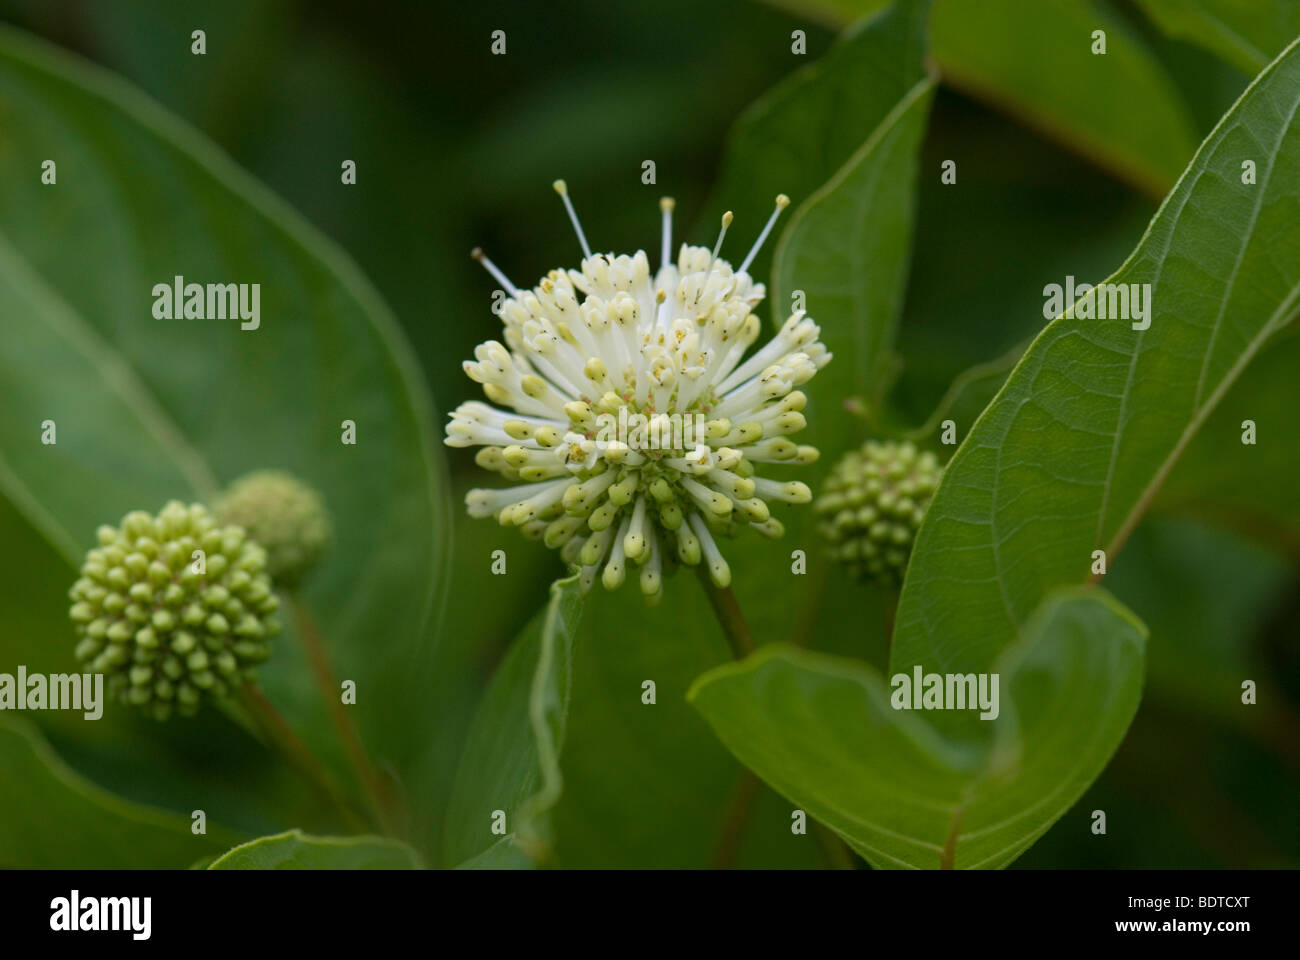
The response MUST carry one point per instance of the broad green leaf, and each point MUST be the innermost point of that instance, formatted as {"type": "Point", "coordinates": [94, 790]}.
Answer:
{"type": "Point", "coordinates": [847, 247]}
{"type": "Point", "coordinates": [796, 137]}
{"type": "Point", "coordinates": [1034, 61]}
{"type": "Point", "coordinates": [1071, 452]}
{"type": "Point", "coordinates": [1250, 487]}
{"type": "Point", "coordinates": [151, 409]}
{"type": "Point", "coordinates": [823, 732]}
{"type": "Point", "coordinates": [295, 850]}
{"type": "Point", "coordinates": [1245, 33]}
{"type": "Point", "coordinates": [92, 827]}
{"type": "Point", "coordinates": [511, 757]}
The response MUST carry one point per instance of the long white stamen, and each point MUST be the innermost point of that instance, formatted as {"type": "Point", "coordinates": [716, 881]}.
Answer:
{"type": "Point", "coordinates": [666, 204]}
{"type": "Point", "coordinates": [563, 190]}
{"type": "Point", "coordinates": [478, 254]}
{"type": "Point", "coordinates": [717, 247]}
{"type": "Point", "coordinates": [782, 201]}
{"type": "Point", "coordinates": [713, 260]}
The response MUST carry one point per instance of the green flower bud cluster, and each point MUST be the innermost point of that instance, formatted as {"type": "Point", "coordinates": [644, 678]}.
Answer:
{"type": "Point", "coordinates": [872, 504]}
{"type": "Point", "coordinates": [172, 606]}
{"type": "Point", "coordinates": [285, 516]}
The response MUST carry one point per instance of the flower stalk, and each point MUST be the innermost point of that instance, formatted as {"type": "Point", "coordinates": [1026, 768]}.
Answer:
{"type": "Point", "coordinates": [327, 681]}
{"type": "Point", "coordinates": [278, 734]}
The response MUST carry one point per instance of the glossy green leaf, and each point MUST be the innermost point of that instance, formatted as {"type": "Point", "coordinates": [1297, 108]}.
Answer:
{"type": "Point", "coordinates": [823, 732]}
{"type": "Point", "coordinates": [56, 818]}
{"type": "Point", "coordinates": [1071, 452]}
{"type": "Point", "coordinates": [847, 247]}
{"type": "Point", "coordinates": [149, 409]}
{"type": "Point", "coordinates": [1245, 33]}
{"type": "Point", "coordinates": [1034, 60]}
{"type": "Point", "coordinates": [295, 850]}
{"type": "Point", "coordinates": [511, 758]}
{"type": "Point", "coordinates": [796, 137]}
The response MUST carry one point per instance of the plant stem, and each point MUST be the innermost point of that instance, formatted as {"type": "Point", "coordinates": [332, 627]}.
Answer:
{"type": "Point", "coordinates": [948, 856]}
{"type": "Point", "coordinates": [732, 621]}
{"type": "Point", "coordinates": [836, 851]}
{"type": "Point", "coordinates": [733, 828]}
{"type": "Point", "coordinates": [280, 735]}
{"type": "Point", "coordinates": [741, 640]}
{"type": "Point", "coordinates": [327, 681]}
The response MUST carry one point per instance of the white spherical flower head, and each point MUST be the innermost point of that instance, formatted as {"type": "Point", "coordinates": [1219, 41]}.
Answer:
{"type": "Point", "coordinates": [630, 411]}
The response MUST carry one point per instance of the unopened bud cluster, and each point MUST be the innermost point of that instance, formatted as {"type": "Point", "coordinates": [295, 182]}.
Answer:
{"type": "Point", "coordinates": [872, 505]}
{"type": "Point", "coordinates": [284, 516]}
{"type": "Point", "coordinates": [171, 606]}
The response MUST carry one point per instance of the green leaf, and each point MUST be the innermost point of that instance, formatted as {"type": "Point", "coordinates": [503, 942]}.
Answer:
{"type": "Point", "coordinates": [149, 409]}
{"type": "Point", "coordinates": [511, 758]}
{"type": "Point", "coordinates": [1034, 61]}
{"type": "Point", "coordinates": [1245, 33]}
{"type": "Point", "coordinates": [822, 731]}
{"type": "Point", "coordinates": [800, 133]}
{"type": "Point", "coordinates": [1070, 454]}
{"type": "Point", "coordinates": [92, 827]}
{"type": "Point", "coordinates": [295, 850]}
{"type": "Point", "coordinates": [847, 248]}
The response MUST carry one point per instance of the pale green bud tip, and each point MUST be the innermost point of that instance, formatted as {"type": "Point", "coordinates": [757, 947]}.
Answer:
{"type": "Point", "coordinates": [170, 606]}
{"type": "Point", "coordinates": [285, 516]}
{"type": "Point", "coordinates": [872, 504]}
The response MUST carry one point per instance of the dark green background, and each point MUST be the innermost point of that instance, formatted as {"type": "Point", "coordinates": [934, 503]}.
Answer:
{"type": "Point", "coordinates": [457, 148]}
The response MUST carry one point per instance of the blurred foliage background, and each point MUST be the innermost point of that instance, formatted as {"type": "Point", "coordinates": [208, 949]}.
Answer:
{"type": "Point", "coordinates": [455, 149]}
